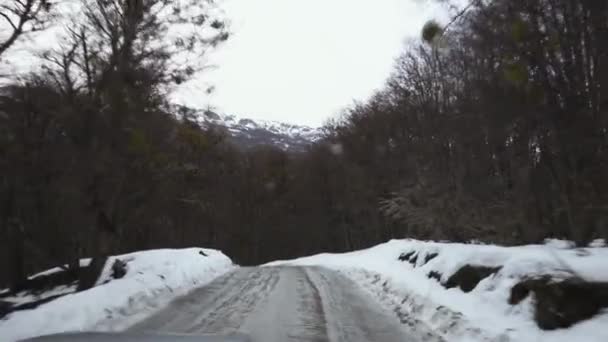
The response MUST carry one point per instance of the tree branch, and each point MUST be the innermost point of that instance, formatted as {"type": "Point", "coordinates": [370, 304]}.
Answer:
{"type": "Point", "coordinates": [25, 14]}
{"type": "Point", "coordinates": [9, 20]}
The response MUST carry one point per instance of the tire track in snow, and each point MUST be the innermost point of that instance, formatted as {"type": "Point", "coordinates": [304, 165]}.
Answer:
{"type": "Point", "coordinates": [277, 304]}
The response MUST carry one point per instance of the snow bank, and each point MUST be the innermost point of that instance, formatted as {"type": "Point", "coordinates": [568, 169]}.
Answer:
{"type": "Point", "coordinates": [153, 279]}
{"type": "Point", "coordinates": [483, 313]}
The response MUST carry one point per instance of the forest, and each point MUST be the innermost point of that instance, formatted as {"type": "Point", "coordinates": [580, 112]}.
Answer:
{"type": "Point", "coordinates": [491, 128]}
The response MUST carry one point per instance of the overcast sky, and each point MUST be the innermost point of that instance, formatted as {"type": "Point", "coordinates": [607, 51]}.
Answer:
{"type": "Point", "coordinates": [295, 61]}
{"type": "Point", "coordinates": [302, 61]}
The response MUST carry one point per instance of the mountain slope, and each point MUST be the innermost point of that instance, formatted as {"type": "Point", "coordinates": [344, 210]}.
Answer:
{"type": "Point", "coordinates": [249, 133]}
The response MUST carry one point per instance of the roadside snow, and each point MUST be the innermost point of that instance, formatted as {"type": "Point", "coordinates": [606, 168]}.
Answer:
{"type": "Point", "coordinates": [82, 262]}
{"type": "Point", "coordinates": [153, 279]}
{"type": "Point", "coordinates": [484, 313]}
{"type": "Point", "coordinates": [26, 297]}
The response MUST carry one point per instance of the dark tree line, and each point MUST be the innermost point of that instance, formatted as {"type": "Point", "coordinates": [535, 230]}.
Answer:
{"type": "Point", "coordinates": [496, 128]}
{"type": "Point", "coordinates": [493, 128]}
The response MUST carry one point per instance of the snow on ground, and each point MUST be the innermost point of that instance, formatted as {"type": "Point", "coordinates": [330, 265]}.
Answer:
{"type": "Point", "coordinates": [153, 279]}
{"type": "Point", "coordinates": [484, 313]}
{"type": "Point", "coordinates": [27, 297]}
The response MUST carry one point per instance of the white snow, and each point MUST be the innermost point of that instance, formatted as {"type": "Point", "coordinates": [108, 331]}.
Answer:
{"type": "Point", "coordinates": [24, 297]}
{"type": "Point", "coordinates": [484, 313]}
{"type": "Point", "coordinates": [598, 243]}
{"type": "Point", "coordinates": [83, 263]}
{"type": "Point", "coordinates": [153, 279]}
{"type": "Point", "coordinates": [237, 125]}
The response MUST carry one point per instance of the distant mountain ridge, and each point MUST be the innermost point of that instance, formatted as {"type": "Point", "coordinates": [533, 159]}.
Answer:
{"type": "Point", "coordinates": [249, 133]}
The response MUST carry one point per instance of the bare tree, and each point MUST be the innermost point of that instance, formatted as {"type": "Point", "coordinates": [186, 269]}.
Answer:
{"type": "Point", "coordinates": [20, 17]}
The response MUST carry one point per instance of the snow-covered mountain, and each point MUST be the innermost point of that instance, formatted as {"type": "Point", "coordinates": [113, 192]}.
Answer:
{"type": "Point", "coordinates": [249, 133]}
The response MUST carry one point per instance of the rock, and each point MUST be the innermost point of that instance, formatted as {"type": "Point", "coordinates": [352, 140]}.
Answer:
{"type": "Point", "coordinates": [201, 252]}
{"type": "Point", "coordinates": [119, 269]}
{"type": "Point", "coordinates": [406, 256]}
{"type": "Point", "coordinates": [564, 303]}
{"type": "Point", "coordinates": [521, 290]}
{"type": "Point", "coordinates": [468, 276]}
{"type": "Point", "coordinates": [413, 260]}
{"type": "Point", "coordinates": [430, 257]}
{"type": "Point", "coordinates": [434, 275]}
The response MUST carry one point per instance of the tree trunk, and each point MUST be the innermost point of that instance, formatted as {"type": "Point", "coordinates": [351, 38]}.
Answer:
{"type": "Point", "coordinates": [18, 276]}
{"type": "Point", "coordinates": [16, 238]}
{"type": "Point", "coordinates": [89, 275]}
{"type": "Point", "coordinates": [103, 237]}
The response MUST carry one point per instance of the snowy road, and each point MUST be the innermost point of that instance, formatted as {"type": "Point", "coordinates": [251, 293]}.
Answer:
{"type": "Point", "coordinates": [282, 304]}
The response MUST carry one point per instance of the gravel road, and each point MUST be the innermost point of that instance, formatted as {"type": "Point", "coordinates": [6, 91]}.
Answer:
{"type": "Point", "coordinates": [275, 304]}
